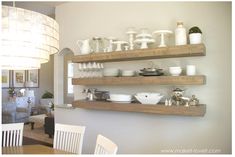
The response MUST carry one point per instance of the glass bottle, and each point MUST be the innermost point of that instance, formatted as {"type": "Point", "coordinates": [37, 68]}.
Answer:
{"type": "Point", "coordinates": [180, 34]}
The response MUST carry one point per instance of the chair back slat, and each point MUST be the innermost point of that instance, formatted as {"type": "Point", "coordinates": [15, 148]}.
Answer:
{"type": "Point", "coordinates": [12, 134]}
{"type": "Point", "coordinates": [68, 138]}
{"type": "Point", "coordinates": [105, 146]}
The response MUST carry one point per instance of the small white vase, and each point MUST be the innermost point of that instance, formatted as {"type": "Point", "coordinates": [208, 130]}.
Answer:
{"type": "Point", "coordinates": [195, 38]}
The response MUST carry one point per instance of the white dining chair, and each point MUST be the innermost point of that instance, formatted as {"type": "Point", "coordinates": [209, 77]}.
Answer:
{"type": "Point", "coordinates": [68, 138]}
{"type": "Point", "coordinates": [105, 146]}
{"type": "Point", "coordinates": [12, 134]}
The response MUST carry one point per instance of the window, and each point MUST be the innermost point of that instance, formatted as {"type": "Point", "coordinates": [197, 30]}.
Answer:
{"type": "Point", "coordinates": [69, 79]}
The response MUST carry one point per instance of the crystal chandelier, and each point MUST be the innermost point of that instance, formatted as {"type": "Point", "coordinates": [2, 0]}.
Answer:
{"type": "Point", "coordinates": [28, 38]}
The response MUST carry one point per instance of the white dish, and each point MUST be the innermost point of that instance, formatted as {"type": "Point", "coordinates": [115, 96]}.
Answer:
{"type": "Point", "coordinates": [124, 102]}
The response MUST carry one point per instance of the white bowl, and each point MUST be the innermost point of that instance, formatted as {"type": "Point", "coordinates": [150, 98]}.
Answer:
{"type": "Point", "coordinates": [148, 98]}
{"type": "Point", "coordinates": [120, 97]}
{"type": "Point", "coordinates": [148, 94]}
{"type": "Point", "coordinates": [175, 71]}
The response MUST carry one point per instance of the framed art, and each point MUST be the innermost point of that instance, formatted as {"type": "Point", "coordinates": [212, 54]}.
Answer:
{"type": "Point", "coordinates": [33, 76]}
{"type": "Point", "coordinates": [19, 78]}
{"type": "Point", "coordinates": [5, 78]}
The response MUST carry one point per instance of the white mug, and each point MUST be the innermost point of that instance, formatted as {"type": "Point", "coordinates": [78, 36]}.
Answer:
{"type": "Point", "coordinates": [191, 70]}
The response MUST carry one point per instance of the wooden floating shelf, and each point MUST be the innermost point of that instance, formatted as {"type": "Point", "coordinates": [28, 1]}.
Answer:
{"type": "Point", "coordinates": [199, 110]}
{"type": "Point", "coordinates": [141, 80]}
{"type": "Point", "coordinates": [140, 54]}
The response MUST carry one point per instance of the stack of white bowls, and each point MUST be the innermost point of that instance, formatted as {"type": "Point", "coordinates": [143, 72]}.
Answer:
{"type": "Point", "coordinates": [175, 71]}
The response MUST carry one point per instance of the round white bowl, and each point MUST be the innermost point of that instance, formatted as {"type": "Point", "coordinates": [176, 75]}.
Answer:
{"type": "Point", "coordinates": [175, 71]}
{"type": "Point", "coordinates": [120, 97]}
{"type": "Point", "coordinates": [147, 94]}
{"type": "Point", "coordinates": [148, 98]}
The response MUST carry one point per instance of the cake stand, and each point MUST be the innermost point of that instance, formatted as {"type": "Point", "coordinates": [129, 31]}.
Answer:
{"type": "Point", "coordinates": [131, 33]}
{"type": "Point", "coordinates": [110, 46]}
{"type": "Point", "coordinates": [144, 42]}
{"type": "Point", "coordinates": [144, 35]}
{"type": "Point", "coordinates": [119, 45]}
{"type": "Point", "coordinates": [162, 33]}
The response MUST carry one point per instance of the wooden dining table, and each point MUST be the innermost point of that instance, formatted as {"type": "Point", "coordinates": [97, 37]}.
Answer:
{"type": "Point", "coordinates": [32, 149]}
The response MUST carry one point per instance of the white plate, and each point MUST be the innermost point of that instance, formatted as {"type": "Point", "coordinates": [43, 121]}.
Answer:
{"type": "Point", "coordinates": [125, 102]}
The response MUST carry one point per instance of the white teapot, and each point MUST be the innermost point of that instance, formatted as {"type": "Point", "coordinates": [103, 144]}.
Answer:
{"type": "Point", "coordinates": [84, 46]}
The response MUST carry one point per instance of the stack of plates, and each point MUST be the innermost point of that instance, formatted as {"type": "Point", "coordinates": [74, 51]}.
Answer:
{"type": "Point", "coordinates": [120, 98]}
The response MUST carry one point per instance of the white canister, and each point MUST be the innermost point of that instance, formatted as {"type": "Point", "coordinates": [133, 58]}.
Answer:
{"type": "Point", "coordinates": [191, 70]}
{"type": "Point", "coordinates": [180, 34]}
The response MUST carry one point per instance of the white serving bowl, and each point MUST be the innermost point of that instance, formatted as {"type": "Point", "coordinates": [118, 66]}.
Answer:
{"type": "Point", "coordinates": [175, 71]}
{"type": "Point", "coordinates": [120, 97]}
{"type": "Point", "coordinates": [148, 94]}
{"type": "Point", "coordinates": [148, 98]}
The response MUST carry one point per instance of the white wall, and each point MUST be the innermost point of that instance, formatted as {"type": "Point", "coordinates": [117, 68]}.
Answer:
{"type": "Point", "coordinates": [149, 133]}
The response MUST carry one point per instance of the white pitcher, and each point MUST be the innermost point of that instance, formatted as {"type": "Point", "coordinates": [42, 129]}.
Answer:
{"type": "Point", "coordinates": [84, 46]}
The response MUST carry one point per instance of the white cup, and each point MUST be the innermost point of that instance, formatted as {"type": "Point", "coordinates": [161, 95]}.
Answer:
{"type": "Point", "coordinates": [191, 70]}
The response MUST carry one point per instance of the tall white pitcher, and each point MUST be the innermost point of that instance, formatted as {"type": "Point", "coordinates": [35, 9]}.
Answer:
{"type": "Point", "coordinates": [84, 46]}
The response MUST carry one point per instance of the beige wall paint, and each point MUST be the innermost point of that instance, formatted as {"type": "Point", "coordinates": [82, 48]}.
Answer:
{"type": "Point", "coordinates": [46, 79]}
{"type": "Point", "coordinates": [148, 133]}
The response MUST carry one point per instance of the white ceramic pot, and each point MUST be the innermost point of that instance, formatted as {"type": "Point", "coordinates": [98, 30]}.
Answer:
{"type": "Point", "coordinates": [195, 38]}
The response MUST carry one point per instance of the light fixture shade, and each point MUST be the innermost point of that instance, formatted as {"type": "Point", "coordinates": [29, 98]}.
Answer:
{"type": "Point", "coordinates": [28, 38]}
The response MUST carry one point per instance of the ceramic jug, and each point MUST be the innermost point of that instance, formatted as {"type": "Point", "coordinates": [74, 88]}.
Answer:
{"type": "Point", "coordinates": [84, 46]}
